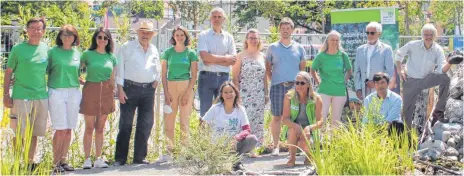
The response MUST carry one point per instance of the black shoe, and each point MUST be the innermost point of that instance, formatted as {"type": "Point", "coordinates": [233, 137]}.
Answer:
{"type": "Point", "coordinates": [141, 162]}
{"type": "Point", "coordinates": [438, 116]}
{"type": "Point", "coordinates": [238, 167]}
{"type": "Point", "coordinates": [32, 166]}
{"type": "Point", "coordinates": [67, 167]}
{"type": "Point", "coordinates": [456, 59]}
{"type": "Point", "coordinates": [58, 169]}
{"type": "Point", "coordinates": [119, 163]}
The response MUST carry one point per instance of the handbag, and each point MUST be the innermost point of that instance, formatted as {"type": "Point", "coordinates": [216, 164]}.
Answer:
{"type": "Point", "coordinates": [347, 102]}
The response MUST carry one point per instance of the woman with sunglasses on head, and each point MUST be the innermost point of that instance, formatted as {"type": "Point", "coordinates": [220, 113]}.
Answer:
{"type": "Point", "coordinates": [98, 92]}
{"type": "Point", "coordinates": [64, 94]}
{"type": "Point", "coordinates": [179, 74]}
{"type": "Point", "coordinates": [302, 116]}
{"type": "Point", "coordinates": [334, 67]}
{"type": "Point", "coordinates": [249, 72]}
{"type": "Point", "coordinates": [228, 117]}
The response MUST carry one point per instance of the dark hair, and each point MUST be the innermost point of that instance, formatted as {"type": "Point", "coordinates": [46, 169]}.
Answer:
{"type": "Point", "coordinates": [109, 46]}
{"type": "Point", "coordinates": [67, 28]}
{"type": "Point", "coordinates": [35, 20]}
{"type": "Point", "coordinates": [237, 93]}
{"type": "Point", "coordinates": [380, 75]}
{"type": "Point", "coordinates": [186, 33]}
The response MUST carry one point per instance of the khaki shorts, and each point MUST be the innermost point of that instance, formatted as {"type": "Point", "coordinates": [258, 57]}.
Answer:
{"type": "Point", "coordinates": [30, 113]}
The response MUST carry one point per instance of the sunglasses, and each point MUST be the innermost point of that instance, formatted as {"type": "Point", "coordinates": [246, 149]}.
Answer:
{"type": "Point", "coordinates": [300, 83]}
{"type": "Point", "coordinates": [371, 33]}
{"type": "Point", "coordinates": [103, 38]}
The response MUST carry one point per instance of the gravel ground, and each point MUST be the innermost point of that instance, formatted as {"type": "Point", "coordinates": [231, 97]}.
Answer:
{"type": "Point", "coordinates": [258, 165]}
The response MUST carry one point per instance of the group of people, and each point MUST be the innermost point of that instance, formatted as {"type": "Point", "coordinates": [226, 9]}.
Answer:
{"type": "Point", "coordinates": [233, 107]}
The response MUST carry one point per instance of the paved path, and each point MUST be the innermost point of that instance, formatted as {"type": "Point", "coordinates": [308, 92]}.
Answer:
{"type": "Point", "coordinates": [259, 165]}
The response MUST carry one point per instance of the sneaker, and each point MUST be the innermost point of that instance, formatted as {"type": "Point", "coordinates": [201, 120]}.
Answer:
{"type": "Point", "coordinates": [275, 151]}
{"type": "Point", "coordinates": [58, 169]}
{"type": "Point", "coordinates": [99, 163]}
{"type": "Point", "coordinates": [67, 167]}
{"type": "Point", "coordinates": [238, 167]}
{"type": "Point", "coordinates": [164, 159]}
{"type": "Point", "coordinates": [87, 164]}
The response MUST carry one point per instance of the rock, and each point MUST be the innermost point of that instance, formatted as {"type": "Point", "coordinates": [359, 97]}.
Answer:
{"type": "Point", "coordinates": [462, 160]}
{"type": "Point", "coordinates": [457, 139]}
{"type": "Point", "coordinates": [451, 152]}
{"type": "Point", "coordinates": [452, 158]}
{"type": "Point", "coordinates": [437, 145]}
{"type": "Point", "coordinates": [445, 136]}
{"type": "Point", "coordinates": [461, 151]}
{"type": "Point", "coordinates": [434, 155]}
{"type": "Point", "coordinates": [456, 89]}
{"type": "Point", "coordinates": [439, 128]}
{"type": "Point", "coordinates": [451, 142]}
{"type": "Point", "coordinates": [454, 111]}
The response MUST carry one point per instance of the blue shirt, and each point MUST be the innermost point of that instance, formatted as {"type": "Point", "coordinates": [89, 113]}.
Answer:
{"type": "Point", "coordinates": [390, 109]}
{"type": "Point", "coordinates": [285, 61]}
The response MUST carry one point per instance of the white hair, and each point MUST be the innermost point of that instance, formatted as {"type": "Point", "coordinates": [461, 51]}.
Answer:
{"type": "Point", "coordinates": [374, 24]}
{"type": "Point", "coordinates": [325, 46]}
{"type": "Point", "coordinates": [218, 9]}
{"type": "Point", "coordinates": [429, 27]}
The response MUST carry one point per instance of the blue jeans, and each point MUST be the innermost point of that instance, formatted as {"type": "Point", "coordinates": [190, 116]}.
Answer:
{"type": "Point", "coordinates": [208, 88]}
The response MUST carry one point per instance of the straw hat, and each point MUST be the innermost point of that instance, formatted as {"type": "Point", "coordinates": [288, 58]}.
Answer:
{"type": "Point", "coordinates": [146, 26]}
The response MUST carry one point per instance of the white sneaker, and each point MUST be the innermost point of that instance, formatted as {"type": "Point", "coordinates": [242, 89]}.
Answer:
{"type": "Point", "coordinates": [164, 159]}
{"type": "Point", "coordinates": [275, 151]}
{"type": "Point", "coordinates": [87, 164]}
{"type": "Point", "coordinates": [99, 163]}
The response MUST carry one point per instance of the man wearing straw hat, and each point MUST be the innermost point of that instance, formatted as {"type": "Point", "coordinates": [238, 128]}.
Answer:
{"type": "Point", "coordinates": [137, 77]}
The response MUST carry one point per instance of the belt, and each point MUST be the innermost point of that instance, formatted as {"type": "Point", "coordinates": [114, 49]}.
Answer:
{"type": "Point", "coordinates": [288, 83]}
{"type": "Point", "coordinates": [214, 73]}
{"type": "Point", "coordinates": [144, 85]}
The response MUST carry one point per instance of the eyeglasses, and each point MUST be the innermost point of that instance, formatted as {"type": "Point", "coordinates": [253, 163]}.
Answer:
{"type": "Point", "coordinates": [371, 33]}
{"type": "Point", "coordinates": [302, 83]}
{"type": "Point", "coordinates": [103, 38]}
{"type": "Point", "coordinates": [253, 38]}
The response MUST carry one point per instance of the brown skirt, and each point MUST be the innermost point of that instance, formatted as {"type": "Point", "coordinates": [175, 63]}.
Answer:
{"type": "Point", "coordinates": [97, 98]}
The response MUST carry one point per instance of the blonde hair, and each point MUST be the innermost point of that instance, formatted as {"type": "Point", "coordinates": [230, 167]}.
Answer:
{"type": "Point", "coordinates": [311, 94]}
{"type": "Point", "coordinates": [332, 33]}
{"type": "Point", "coordinates": [245, 44]}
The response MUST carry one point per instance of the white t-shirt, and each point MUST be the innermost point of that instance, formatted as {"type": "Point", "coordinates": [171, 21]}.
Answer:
{"type": "Point", "coordinates": [221, 122]}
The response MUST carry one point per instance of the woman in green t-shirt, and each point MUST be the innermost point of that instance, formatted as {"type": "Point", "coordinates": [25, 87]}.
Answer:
{"type": "Point", "coordinates": [179, 74]}
{"type": "Point", "coordinates": [98, 92]}
{"type": "Point", "coordinates": [64, 94]}
{"type": "Point", "coordinates": [334, 69]}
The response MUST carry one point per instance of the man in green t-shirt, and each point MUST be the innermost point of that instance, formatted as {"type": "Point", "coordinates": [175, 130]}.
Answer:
{"type": "Point", "coordinates": [29, 102]}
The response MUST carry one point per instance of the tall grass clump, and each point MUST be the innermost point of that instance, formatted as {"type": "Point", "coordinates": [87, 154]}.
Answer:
{"type": "Point", "coordinates": [205, 153]}
{"type": "Point", "coordinates": [364, 147]}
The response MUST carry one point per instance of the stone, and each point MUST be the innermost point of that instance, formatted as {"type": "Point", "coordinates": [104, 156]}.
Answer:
{"type": "Point", "coordinates": [450, 151]}
{"type": "Point", "coordinates": [457, 139]}
{"type": "Point", "coordinates": [453, 110]}
{"type": "Point", "coordinates": [456, 89]}
{"type": "Point", "coordinates": [452, 158]}
{"type": "Point", "coordinates": [437, 145]}
{"type": "Point", "coordinates": [461, 151]}
{"type": "Point", "coordinates": [434, 155]}
{"type": "Point", "coordinates": [439, 128]}
{"type": "Point", "coordinates": [462, 160]}
{"type": "Point", "coordinates": [445, 136]}
{"type": "Point", "coordinates": [451, 142]}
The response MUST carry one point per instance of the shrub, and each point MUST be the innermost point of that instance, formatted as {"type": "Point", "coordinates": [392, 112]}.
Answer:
{"type": "Point", "coordinates": [206, 154]}
{"type": "Point", "coordinates": [364, 149]}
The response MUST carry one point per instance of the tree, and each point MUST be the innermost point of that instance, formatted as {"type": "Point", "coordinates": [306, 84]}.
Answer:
{"type": "Point", "coordinates": [192, 11]}
{"type": "Point", "coordinates": [135, 8]}
{"type": "Point", "coordinates": [447, 14]}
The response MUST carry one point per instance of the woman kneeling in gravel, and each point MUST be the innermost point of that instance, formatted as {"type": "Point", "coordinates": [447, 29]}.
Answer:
{"type": "Point", "coordinates": [229, 117]}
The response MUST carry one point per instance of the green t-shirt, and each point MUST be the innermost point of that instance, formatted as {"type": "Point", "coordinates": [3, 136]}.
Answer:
{"type": "Point", "coordinates": [99, 66]}
{"type": "Point", "coordinates": [331, 72]}
{"type": "Point", "coordinates": [63, 68]}
{"type": "Point", "coordinates": [29, 64]}
{"type": "Point", "coordinates": [179, 63]}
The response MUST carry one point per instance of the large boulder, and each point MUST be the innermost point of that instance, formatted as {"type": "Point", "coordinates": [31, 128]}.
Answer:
{"type": "Point", "coordinates": [439, 128]}
{"type": "Point", "coordinates": [454, 110]}
{"type": "Point", "coordinates": [456, 88]}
